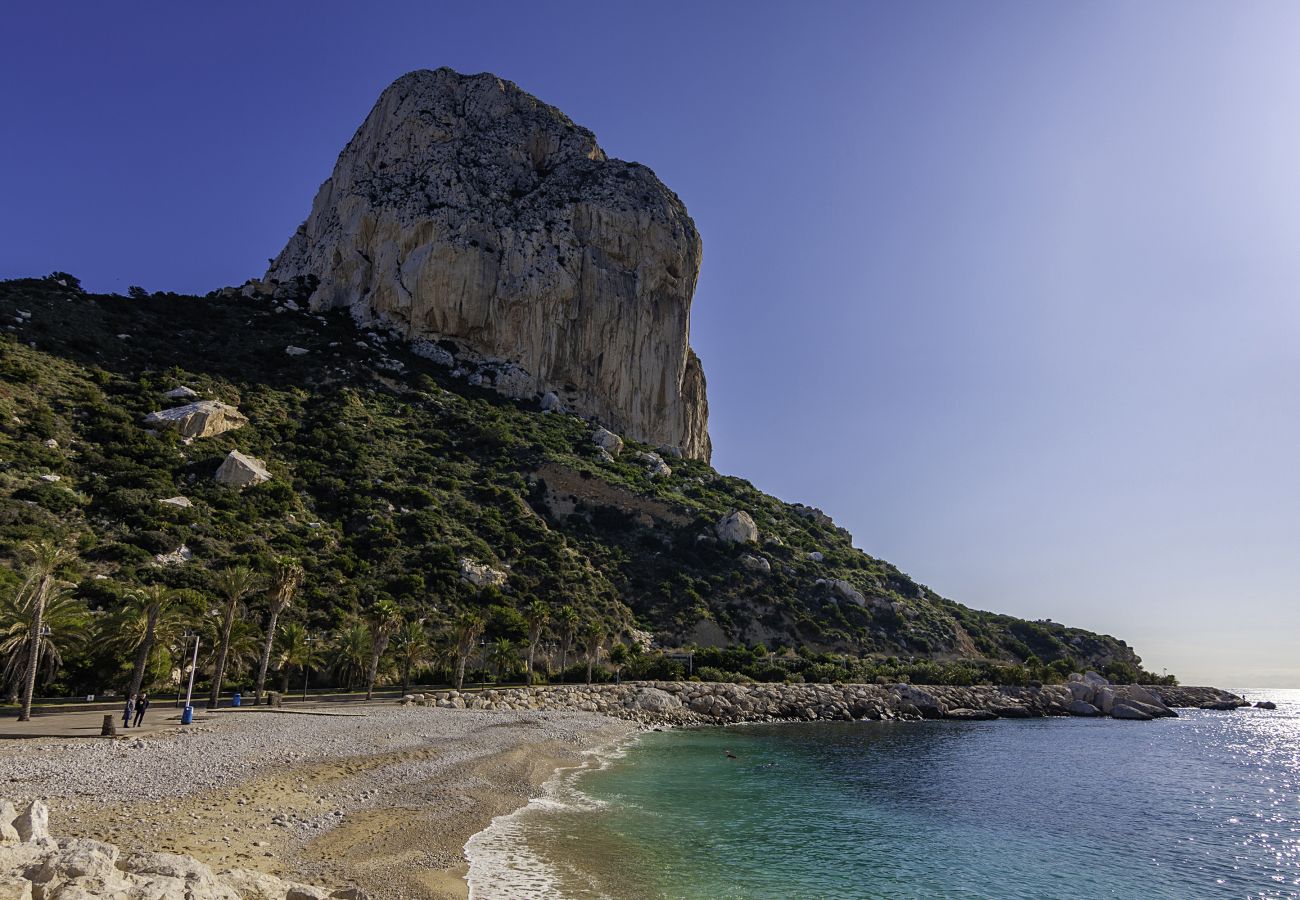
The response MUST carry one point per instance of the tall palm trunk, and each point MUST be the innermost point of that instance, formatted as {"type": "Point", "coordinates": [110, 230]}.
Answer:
{"type": "Point", "coordinates": [276, 609]}
{"type": "Point", "coordinates": [372, 671]}
{"type": "Point", "coordinates": [564, 654]}
{"type": "Point", "coordinates": [406, 677]}
{"type": "Point", "coordinates": [219, 670]}
{"type": "Point", "coordinates": [146, 648]}
{"type": "Point", "coordinates": [284, 683]}
{"type": "Point", "coordinates": [461, 659]}
{"type": "Point", "coordinates": [33, 653]}
{"type": "Point", "coordinates": [288, 578]}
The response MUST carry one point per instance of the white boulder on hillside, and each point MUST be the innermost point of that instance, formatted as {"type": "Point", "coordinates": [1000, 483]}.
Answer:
{"type": "Point", "coordinates": [177, 557]}
{"type": "Point", "coordinates": [607, 441]}
{"type": "Point", "coordinates": [240, 471]}
{"type": "Point", "coordinates": [655, 465]}
{"type": "Point", "coordinates": [199, 420]}
{"type": "Point", "coordinates": [737, 527]}
{"type": "Point", "coordinates": [481, 575]}
{"type": "Point", "coordinates": [181, 392]}
{"type": "Point", "coordinates": [847, 592]}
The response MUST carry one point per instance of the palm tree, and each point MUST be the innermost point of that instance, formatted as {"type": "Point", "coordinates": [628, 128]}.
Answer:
{"type": "Point", "coordinates": [385, 619]}
{"type": "Point", "coordinates": [351, 652]}
{"type": "Point", "coordinates": [537, 614]}
{"type": "Point", "coordinates": [293, 649]}
{"type": "Point", "coordinates": [619, 655]}
{"type": "Point", "coordinates": [286, 577]}
{"type": "Point", "coordinates": [503, 656]}
{"type": "Point", "coordinates": [567, 620]}
{"type": "Point", "coordinates": [65, 626]}
{"type": "Point", "coordinates": [442, 657]}
{"type": "Point", "coordinates": [233, 584]}
{"type": "Point", "coordinates": [593, 636]}
{"type": "Point", "coordinates": [151, 617]}
{"type": "Point", "coordinates": [413, 649]}
{"type": "Point", "coordinates": [47, 558]}
{"type": "Point", "coordinates": [465, 631]}
{"type": "Point", "coordinates": [245, 648]}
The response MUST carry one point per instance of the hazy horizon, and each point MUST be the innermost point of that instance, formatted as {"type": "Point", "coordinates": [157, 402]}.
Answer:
{"type": "Point", "coordinates": [1008, 289]}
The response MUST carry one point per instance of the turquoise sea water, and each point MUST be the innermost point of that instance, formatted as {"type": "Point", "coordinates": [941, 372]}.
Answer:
{"type": "Point", "coordinates": [1206, 805]}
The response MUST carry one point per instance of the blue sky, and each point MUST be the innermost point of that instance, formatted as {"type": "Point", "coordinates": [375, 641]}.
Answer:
{"type": "Point", "coordinates": [1009, 289]}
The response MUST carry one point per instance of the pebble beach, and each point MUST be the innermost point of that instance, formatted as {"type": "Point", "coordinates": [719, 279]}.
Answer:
{"type": "Point", "coordinates": [380, 797]}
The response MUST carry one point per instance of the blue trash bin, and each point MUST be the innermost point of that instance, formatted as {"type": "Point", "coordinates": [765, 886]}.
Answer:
{"type": "Point", "coordinates": [187, 716]}
{"type": "Point", "coordinates": [235, 700]}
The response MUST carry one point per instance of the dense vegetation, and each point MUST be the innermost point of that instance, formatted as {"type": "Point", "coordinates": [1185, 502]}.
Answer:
{"type": "Point", "coordinates": [387, 473]}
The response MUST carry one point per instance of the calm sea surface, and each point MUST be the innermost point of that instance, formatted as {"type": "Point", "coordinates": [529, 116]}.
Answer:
{"type": "Point", "coordinates": [1206, 805]}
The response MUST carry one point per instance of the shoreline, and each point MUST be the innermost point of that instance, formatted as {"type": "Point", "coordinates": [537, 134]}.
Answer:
{"type": "Point", "coordinates": [402, 800]}
{"type": "Point", "coordinates": [385, 803]}
{"type": "Point", "coordinates": [486, 850]}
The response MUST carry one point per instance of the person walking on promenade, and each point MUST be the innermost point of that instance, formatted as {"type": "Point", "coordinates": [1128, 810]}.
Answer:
{"type": "Point", "coordinates": [126, 713]}
{"type": "Point", "coordinates": [140, 706]}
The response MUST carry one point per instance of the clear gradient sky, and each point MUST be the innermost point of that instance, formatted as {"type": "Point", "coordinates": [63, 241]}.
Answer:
{"type": "Point", "coordinates": [1007, 288]}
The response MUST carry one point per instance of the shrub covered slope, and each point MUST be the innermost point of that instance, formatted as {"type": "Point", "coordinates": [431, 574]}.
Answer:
{"type": "Point", "coordinates": [388, 472]}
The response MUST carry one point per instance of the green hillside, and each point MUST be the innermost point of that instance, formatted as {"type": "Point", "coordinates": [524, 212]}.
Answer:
{"type": "Point", "coordinates": [388, 472]}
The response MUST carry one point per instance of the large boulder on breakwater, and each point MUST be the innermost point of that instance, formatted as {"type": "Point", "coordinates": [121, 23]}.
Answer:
{"type": "Point", "coordinates": [1082, 708]}
{"type": "Point", "coordinates": [467, 212]}
{"type": "Point", "coordinates": [656, 701]}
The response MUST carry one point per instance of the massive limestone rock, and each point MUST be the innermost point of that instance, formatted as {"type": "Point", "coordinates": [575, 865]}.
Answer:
{"type": "Point", "coordinates": [468, 214]}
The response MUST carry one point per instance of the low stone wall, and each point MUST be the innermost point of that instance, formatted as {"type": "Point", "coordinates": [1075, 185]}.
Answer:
{"type": "Point", "coordinates": [713, 703]}
{"type": "Point", "coordinates": [34, 865]}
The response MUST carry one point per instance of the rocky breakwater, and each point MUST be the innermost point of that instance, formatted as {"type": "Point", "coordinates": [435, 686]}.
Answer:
{"type": "Point", "coordinates": [489, 229]}
{"type": "Point", "coordinates": [35, 866]}
{"type": "Point", "coordinates": [713, 703]}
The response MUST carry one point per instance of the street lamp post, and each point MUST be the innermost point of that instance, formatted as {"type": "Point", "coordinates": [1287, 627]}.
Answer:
{"type": "Point", "coordinates": [187, 714]}
{"type": "Point", "coordinates": [185, 642]}
{"type": "Point", "coordinates": [306, 666]}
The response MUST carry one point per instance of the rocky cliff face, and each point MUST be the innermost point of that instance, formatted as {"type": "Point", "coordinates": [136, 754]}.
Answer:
{"type": "Point", "coordinates": [467, 213]}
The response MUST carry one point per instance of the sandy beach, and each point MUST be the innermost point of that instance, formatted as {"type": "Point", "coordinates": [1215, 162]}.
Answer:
{"type": "Point", "coordinates": [381, 797]}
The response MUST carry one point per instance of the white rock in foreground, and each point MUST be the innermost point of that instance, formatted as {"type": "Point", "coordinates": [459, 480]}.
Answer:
{"type": "Point", "coordinates": [240, 471]}
{"type": "Point", "coordinates": [182, 502]}
{"type": "Point", "coordinates": [198, 420]}
{"type": "Point", "coordinates": [34, 865]}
